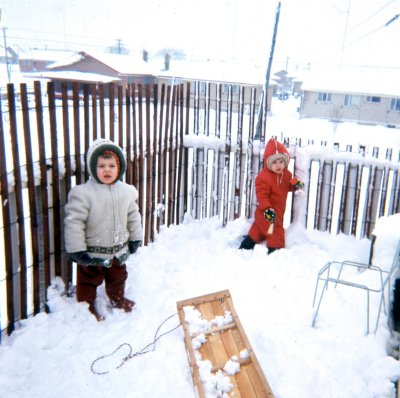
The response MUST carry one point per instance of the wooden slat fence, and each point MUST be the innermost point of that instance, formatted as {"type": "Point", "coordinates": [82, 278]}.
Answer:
{"type": "Point", "coordinates": [188, 150]}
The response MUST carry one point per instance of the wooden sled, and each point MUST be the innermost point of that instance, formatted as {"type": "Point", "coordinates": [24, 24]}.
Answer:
{"type": "Point", "coordinates": [223, 343]}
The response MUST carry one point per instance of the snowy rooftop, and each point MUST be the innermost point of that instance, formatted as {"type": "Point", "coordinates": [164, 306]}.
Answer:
{"type": "Point", "coordinates": [124, 64]}
{"type": "Point", "coordinates": [72, 75]}
{"type": "Point", "coordinates": [222, 71]}
{"type": "Point", "coordinates": [381, 82]}
{"type": "Point", "coordinates": [44, 55]}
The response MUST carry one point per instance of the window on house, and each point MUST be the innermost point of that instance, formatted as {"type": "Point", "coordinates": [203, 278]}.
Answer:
{"type": "Point", "coordinates": [202, 87]}
{"type": "Point", "coordinates": [395, 104]}
{"type": "Point", "coordinates": [352, 100]}
{"type": "Point", "coordinates": [325, 97]}
{"type": "Point", "coordinates": [226, 88]}
{"type": "Point", "coordinates": [371, 98]}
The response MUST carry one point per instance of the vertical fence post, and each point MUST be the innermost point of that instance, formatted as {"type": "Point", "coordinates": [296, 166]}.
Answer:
{"type": "Point", "coordinates": [77, 136]}
{"type": "Point", "coordinates": [32, 201]}
{"type": "Point", "coordinates": [55, 175]}
{"type": "Point", "coordinates": [120, 116]}
{"type": "Point", "coordinates": [227, 156]}
{"type": "Point", "coordinates": [8, 229]}
{"type": "Point", "coordinates": [180, 193]}
{"type": "Point", "coordinates": [237, 184]}
{"type": "Point", "coordinates": [186, 152]}
{"type": "Point", "coordinates": [94, 111]}
{"type": "Point", "coordinates": [111, 110]}
{"type": "Point", "coordinates": [42, 199]}
{"type": "Point", "coordinates": [171, 171]}
{"type": "Point", "coordinates": [350, 190]}
{"type": "Point", "coordinates": [141, 186]}
{"type": "Point", "coordinates": [128, 135]}
{"type": "Point", "coordinates": [160, 177]}
{"type": "Point", "coordinates": [165, 155]}
{"type": "Point", "coordinates": [249, 164]}
{"type": "Point", "coordinates": [154, 162]}
{"type": "Point", "coordinates": [20, 220]}
{"type": "Point", "coordinates": [149, 181]}
{"type": "Point", "coordinates": [325, 195]}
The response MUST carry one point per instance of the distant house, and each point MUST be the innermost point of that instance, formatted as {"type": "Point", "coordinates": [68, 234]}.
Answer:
{"type": "Point", "coordinates": [83, 68]}
{"type": "Point", "coordinates": [210, 75]}
{"type": "Point", "coordinates": [38, 60]}
{"type": "Point", "coordinates": [365, 96]}
{"type": "Point", "coordinates": [286, 85]}
{"type": "Point", "coordinates": [9, 56]}
{"type": "Point", "coordinates": [124, 68]}
{"type": "Point", "coordinates": [69, 78]}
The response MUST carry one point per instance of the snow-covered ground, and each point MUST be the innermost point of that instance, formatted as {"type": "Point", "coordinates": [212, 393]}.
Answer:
{"type": "Point", "coordinates": [51, 355]}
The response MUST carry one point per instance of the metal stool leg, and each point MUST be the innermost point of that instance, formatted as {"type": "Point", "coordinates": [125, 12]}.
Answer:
{"type": "Point", "coordinates": [319, 302]}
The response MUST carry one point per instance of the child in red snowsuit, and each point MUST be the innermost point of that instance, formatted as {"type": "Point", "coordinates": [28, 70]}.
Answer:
{"type": "Point", "coordinates": [272, 186]}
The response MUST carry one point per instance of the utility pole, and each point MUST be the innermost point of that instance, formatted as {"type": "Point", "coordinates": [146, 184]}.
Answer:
{"type": "Point", "coordinates": [5, 51]}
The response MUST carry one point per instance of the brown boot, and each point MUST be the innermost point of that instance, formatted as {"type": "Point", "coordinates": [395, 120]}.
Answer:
{"type": "Point", "coordinates": [94, 311]}
{"type": "Point", "coordinates": [123, 304]}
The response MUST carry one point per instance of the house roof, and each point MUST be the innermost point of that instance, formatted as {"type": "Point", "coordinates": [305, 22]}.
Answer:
{"type": "Point", "coordinates": [221, 72]}
{"type": "Point", "coordinates": [44, 55]}
{"type": "Point", "coordinates": [179, 69]}
{"type": "Point", "coordinates": [122, 64]}
{"type": "Point", "coordinates": [366, 81]}
{"type": "Point", "coordinates": [83, 77]}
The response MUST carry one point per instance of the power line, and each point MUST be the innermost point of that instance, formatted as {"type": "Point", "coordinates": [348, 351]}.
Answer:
{"type": "Point", "coordinates": [58, 42]}
{"type": "Point", "coordinates": [59, 34]}
{"type": "Point", "coordinates": [376, 30]}
{"type": "Point", "coordinates": [347, 32]}
{"type": "Point", "coordinates": [392, 20]}
{"type": "Point", "coordinates": [372, 15]}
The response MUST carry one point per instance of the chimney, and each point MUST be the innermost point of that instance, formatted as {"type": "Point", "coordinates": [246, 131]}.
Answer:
{"type": "Point", "coordinates": [145, 56]}
{"type": "Point", "coordinates": [166, 61]}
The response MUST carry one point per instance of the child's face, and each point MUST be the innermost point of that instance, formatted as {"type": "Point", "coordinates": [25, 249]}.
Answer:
{"type": "Point", "coordinates": [278, 166]}
{"type": "Point", "coordinates": [107, 170]}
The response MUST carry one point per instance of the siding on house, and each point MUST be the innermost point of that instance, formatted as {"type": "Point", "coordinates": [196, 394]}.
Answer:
{"type": "Point", "coordinates": [210, 75]}
{"type": "Point", "coordinates": [365, 97]}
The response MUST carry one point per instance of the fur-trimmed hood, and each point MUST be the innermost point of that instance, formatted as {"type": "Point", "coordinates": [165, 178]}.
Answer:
{"type": "Point", "coordinates": [273, 151]}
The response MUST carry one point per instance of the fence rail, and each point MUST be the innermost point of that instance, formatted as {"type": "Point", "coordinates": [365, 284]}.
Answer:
{"type": "Point", "coordinates": [187, 152]}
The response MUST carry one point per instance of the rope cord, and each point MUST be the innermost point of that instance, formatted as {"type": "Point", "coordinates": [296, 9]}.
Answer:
{"type": "Point", "coordinates": [132, 354]}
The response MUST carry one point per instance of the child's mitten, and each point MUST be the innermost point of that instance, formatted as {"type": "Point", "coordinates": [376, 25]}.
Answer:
{"type": "Point", "coordinates": [296, 183]}
{"type": "Point", "coordinates": [269, 215]}
{"type": "Point", "coordinates": [82, 258]}
{"type": "Point", "coordinates": [134, 246]}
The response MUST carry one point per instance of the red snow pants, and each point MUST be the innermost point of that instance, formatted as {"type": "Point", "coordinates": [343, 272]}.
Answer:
{"type": "Point", "coordinates": [90, 277]}
{"type": "Point", "coordinates": [259, 228]}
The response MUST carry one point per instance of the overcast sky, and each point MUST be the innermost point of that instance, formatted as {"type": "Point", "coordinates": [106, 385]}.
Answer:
{"type": "Point", "coordinates": [321, 32]}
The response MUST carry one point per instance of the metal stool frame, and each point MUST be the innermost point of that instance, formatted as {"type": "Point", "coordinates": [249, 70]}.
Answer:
{"type": "Point", "coordinates": [385, 280]}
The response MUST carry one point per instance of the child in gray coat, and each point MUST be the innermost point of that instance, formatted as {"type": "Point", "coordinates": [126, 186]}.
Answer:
{"type": "Point", "coordinates": [103, 227]}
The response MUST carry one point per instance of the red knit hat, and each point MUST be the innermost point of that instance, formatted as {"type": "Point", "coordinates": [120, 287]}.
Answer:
{"type": "Point", "coordinates": [108, 153]}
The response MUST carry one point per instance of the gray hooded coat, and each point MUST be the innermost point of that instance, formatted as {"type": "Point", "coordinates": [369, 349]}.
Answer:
{"type": "Point", "coordinates": [102, 218]}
